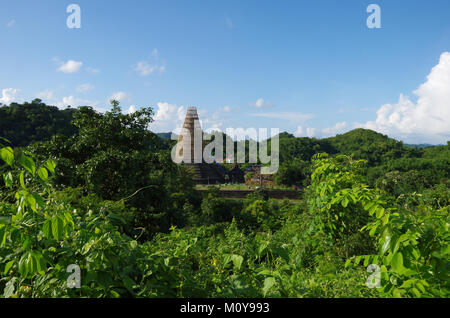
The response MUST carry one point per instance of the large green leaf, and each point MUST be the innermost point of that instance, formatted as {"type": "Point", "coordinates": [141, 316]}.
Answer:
{"type": "Point", "coordinates": [39, 262]}
{"type": "Point", "coordinates": [344, 202]}
{"type": "Point", "coordinates": [268, 284]}
{"type": "Point", "coordinates": [27, 163]}
{"type": "Point", "coordinates": [357, 260]}
{"type": "Point", "coordinates": [23, 268]}
{"type": "Point", "coordinates": [47, 228]}
{"type": "Point", "coordinates": [43, 174]}
{"type": "Point", "coordinates": [22, 180]}
{"type": "Point", "coordinates": [416, 292]}
{"type": "Point", "coordinates": [397, 262]}
{"type": "Point", "coordinates": [57, 228]}
{"type": "Point", "coordinates": [380, 213]}
{"type": "Point", "coordinates": [237, 261]}
{"type": "Point", "coordinates": [8, 267]}
{"type": "Point", "coordinates": [31, 202]}
{"type": "Point", "coordinates": [386, 244]}
{"type": "Point", "coordinates": [31, 263]}
{"type": "Point", "coordinates": [266, 272]}
{"type": "Point", "coordinates": [262, 247]}
{"type": "Point", "coordinates": [9, 289]}
{"type": "Point", "coordinates": [51, 165]}
{"type": "Point", "coordinates": [7, 154]}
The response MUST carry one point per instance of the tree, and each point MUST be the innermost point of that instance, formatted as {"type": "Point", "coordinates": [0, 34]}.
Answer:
{"type": "Point", "coordinates": [115, 156]}
{"type": "Point", "coordinates": [25, 123]}
{"type": "Point", "coordinates": [293, 172]}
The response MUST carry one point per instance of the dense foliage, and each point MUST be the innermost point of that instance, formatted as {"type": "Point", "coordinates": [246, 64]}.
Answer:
{"type": "Point", "coordinates": [390, 164]}
{"type": "Point", "coordinates": [25, 123]}
{"type": "Point", "coordinates": [115, 157]}
{"type": "Point", "coordinates": [107, 200]}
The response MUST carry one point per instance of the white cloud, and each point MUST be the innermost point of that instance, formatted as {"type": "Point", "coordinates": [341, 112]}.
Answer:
{"type": "Point", "coordinates": [168, 111]}
{"type": "Point", "coordinates": [168, 118]}
{"type": "Point", "coordinates": [217, 126]}
{"type": "Point", "coordinates": [70, 66]}
{"type": "Point", "coordinates": [299, 131]}
{"type": "Point", "coordinates": [119, 96]}
{"type": "Point", "coordinates": [321, 133]}
{"type": "Point", "coordinates": [226, 109]}
{"type": "Point", "coordinates": [46, 95]}
{"type": "Point", "coordinates": [131, 110]}
{"type": "Point", "coordinates": [93, 70]}
{"type": "Point", "coordinates": [11, 23]}
{"type": "Point", "coordinates": [289, 116]}
{"type": "Point", "coordinates": [69, 101]}
{"type": "Point", "coordinates": [83, 88]}
{"type": "Point", "coordinates": [333, 131]}
{"type": "Point", "coordinates": [211, 123]}
{"type": "Point", "coordinates": [428, 119]}
{"type": "Point", "coordinates": [311, 132]}
{"type": "Point", "coordinates": [75, 102]}
{"type": "Point", "coordinates": [10, 95]}
{"type": "Point", "coordinates": [260, 103]}
{"type": "Point", "coordinates": [143, 68]}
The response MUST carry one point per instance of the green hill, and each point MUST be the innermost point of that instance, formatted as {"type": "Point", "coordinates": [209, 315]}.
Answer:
{"type": "Point", "coordinates": [370, 145]}
{"type": "Point", "coordinates": [25, 123]}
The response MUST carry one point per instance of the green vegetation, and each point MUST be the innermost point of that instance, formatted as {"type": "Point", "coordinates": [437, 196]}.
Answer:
{"type": "Point", "coordinates": [25, 123]}
{"type": "Point", "coordinates": [373, 220]}
{"type": "Point", "coordinates": [417, 169]}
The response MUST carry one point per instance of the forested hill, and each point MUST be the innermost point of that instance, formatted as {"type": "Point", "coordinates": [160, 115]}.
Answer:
{"type": "Point", "coordinates": [167, 135]}
{"type": "Point", "coordinates": [25, 123]}
{"type": "Point", "coordinates": [420, 146]}
{"type": "Point", "coordinates": [370, 145]}
{"type": "Point", "coordinates": [361, 143]}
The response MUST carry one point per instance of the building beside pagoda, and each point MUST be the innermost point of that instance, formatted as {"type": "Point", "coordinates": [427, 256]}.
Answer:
{"type": "Point", "coordinates": [236, 174]}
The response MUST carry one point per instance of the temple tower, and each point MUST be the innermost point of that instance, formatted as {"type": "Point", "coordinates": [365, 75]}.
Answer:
{"type": "Point", "coordinates": [189, 151]}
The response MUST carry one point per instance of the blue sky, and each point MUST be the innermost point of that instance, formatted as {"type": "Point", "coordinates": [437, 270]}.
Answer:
{"type": "Point", "coordinates": [312, 68]}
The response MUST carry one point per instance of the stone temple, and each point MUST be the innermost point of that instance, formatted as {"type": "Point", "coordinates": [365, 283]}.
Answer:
{"type": "Point", "coordinates": [190, 153]}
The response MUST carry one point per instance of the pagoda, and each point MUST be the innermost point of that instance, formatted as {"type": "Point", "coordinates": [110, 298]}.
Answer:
{"type": "Point", "coordinates": [190, 153]}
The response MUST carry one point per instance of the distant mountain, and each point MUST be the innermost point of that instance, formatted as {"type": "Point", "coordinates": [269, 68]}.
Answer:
{"type": "Point", "coordinates": [420, 146]}
{"type": "Point", "coordinates": [167, 135]}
